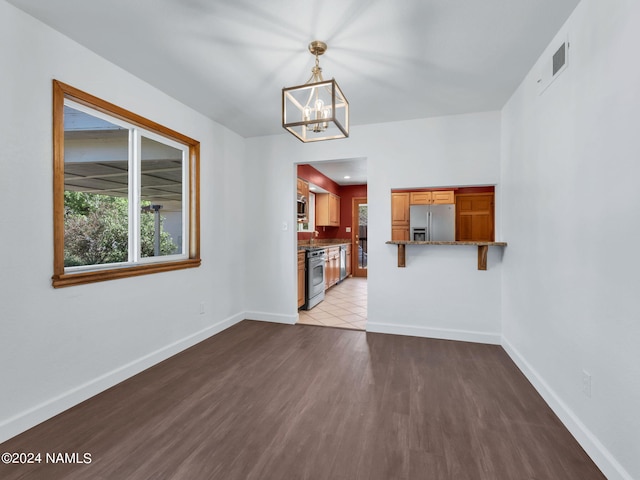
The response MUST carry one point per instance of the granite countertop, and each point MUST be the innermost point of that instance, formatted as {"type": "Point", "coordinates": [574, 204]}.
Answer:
{"type": "Point", "coordinates": [479, 244]}
{"type": "Point", "coordinates": [324, 243]}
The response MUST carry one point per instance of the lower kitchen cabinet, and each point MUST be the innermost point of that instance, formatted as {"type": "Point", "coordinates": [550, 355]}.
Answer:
{"type": "Point", "coordinates": [349, 260]}
{"type": "Point", "coordinates": [332, 266]}
{"type": "Point", "coordinates": [327, 265]}
{"type": "Point", "coordinates": [399, 233]}
{"type": "Point", "coordinates": [334, 254]}
{"type": "Point", "coordinates": [301, 278]}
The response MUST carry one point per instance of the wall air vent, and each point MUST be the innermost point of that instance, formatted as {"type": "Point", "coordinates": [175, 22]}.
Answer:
{"type": "Point", "coordinates": [559, 59]}
{"type": "Point", "coordinates": [554, 66]}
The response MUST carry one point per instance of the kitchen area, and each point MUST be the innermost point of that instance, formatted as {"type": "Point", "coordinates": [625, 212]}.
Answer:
{"type": "Point", "coordinates": [331, 247]}
{"type": "Point", "coordinates": [453, 216]}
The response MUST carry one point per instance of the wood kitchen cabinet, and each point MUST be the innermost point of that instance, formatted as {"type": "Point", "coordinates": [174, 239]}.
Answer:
{"type": "Point", "coordinates": [475, 217]}
{"type": "Point", "coordinates": [445, 197]}
{"type": "Point", "coordinates": [349, 266]}
{"type": "Point", "coordinates": [400, 215]}
{"type": "Point", "coordinates": [332, 266]}
{"type": "Point", "coordinates": [335, 264]}
{"type": "Point", "coordinates": [420, 198]}
{"type": "Point", "coordinates": [327, 210]}
{"type": "Point", "coordinates": [327, 267]}
{"type": "Point", "coordinates": [438, 197]}
{"type": "Point", "coordinates": [303, 188]}
{"type": "Point", "coordinates": [399, 233]}
{"type": "Point", "coordinates": [302, 290]}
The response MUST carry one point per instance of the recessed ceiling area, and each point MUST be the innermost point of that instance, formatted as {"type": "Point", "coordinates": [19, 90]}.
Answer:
{"type": "Point", "coordinates": [230, 59]}
{"type": "Point", "coordinates": [337, 170]}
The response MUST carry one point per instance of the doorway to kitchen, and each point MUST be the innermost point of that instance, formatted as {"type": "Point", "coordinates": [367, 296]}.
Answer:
{"type": "Point", "coordinates": [344, 306]}
{"type": "Point", "coordinates": [338, 225]}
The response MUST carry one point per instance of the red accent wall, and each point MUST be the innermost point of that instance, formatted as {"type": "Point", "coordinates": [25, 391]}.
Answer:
{"type": "Point", "coordinates": [346, 194]}
{"type": "Point", "coordinates": [312, 175]}
{"type": "Point", "coordinates": [490, 189]}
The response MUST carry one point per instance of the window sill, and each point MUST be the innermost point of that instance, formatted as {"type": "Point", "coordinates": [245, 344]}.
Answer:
{"type": "Point", "coordinates": [81, 278]}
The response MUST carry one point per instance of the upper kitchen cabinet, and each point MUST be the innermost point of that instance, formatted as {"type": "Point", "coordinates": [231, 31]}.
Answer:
{"type": "Point", "coordinates": [327, 210]}
{"type": "Point", "coordinates": [443, 197]}
{"type": "Point", "coordinates": [420, 198]}
{"type": "Point", "coordinates": [436, 197]}
{"type": "Point", "coordinates": [303, 188]}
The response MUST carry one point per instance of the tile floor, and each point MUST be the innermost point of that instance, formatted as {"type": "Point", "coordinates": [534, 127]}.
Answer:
{"type": "Point", "coordinates": [344, 306]}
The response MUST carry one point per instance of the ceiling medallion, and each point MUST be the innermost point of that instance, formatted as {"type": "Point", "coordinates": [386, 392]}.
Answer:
{"type": "Point", "coordinates": [316, 110]}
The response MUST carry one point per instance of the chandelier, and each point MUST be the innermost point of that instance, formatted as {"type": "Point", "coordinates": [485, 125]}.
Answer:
{"type": "Point", "coordinates": [316, 110]}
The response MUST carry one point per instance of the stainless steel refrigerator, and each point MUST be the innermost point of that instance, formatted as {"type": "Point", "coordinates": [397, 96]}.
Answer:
{"type": "Point", "coordinates": [433, 223]}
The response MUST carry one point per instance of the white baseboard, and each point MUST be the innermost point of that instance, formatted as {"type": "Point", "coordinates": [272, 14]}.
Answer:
{"type": "Point", "coordinates": [48, 409]}
{"type": "Point", "coordinates": [605, 461]}
{"type": "Point", "coordinates": [271, 317]}
{"type": "Point", "coordinates": [441, 333]}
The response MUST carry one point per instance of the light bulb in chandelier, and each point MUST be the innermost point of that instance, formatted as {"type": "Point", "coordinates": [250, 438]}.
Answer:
{"type": "Point", "coordinates": [306, 113]}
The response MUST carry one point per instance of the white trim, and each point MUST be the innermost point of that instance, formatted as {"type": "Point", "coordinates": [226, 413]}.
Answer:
{"type": "Point", "coordinates": [134, 219]}
{"type": "Point", "coordinates": [49, 408]}
{"type": "Point", "coordinates": [602, 457]}
{"type": "Point", "coordinates": [271, 317]}
{"type": "Point", "coordinates": [107, 117]}
{"type": "Point", "coordinates": [441, 333]}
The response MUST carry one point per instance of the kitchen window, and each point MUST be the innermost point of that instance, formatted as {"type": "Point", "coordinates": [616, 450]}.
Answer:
{"type": "Point", "coordinates": [310, 224]}
{"type": "Point", "coordinates": [125, 192]}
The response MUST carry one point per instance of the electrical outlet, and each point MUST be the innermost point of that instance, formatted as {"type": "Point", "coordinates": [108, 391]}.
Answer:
{"type": "Point", "coordinates": [586, 383]}
{"type": "Point", "coordinates": [201, 308]}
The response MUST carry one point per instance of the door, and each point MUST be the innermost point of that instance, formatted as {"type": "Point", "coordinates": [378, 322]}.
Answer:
{"type": "Point", "coordinates": [359, 233]}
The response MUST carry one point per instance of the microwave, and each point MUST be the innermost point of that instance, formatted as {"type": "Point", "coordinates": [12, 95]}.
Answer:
{"type": "Point", "coordinates": [302, 208]}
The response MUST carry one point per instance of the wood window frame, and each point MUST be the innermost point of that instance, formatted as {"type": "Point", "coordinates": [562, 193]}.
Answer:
{"type": "Point", "coordinates": [62, 91]}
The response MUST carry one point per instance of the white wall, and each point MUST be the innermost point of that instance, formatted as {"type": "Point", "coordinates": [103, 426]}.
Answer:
{"type": "Point", "coordinates": [59, 346]}
{"type": "Point", "coordinates": [440, 293]}
{"type": "Point", "coordinates": [564, 295]}
{"type": "Point", "coordinates": [571, 214]}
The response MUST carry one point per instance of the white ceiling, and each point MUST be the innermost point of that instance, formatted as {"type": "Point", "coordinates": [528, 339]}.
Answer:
{"type": "Point", "coordinates": [337, 170]}
{"type": "Point", "coordinates": [395, 60]}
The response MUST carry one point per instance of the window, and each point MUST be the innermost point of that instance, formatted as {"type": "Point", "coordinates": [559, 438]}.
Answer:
{"type": "Point", "coordinates": [310, 224]}
{"type": "Point", "coordinates": [125, 192]}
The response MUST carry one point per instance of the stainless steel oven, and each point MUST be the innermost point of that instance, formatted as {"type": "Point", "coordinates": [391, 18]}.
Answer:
{"type": "Point", "coordinates": [315, 277]}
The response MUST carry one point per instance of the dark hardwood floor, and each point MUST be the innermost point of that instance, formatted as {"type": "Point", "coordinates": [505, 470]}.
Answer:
{"type": "Point", "coordinates": [274, 402]}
